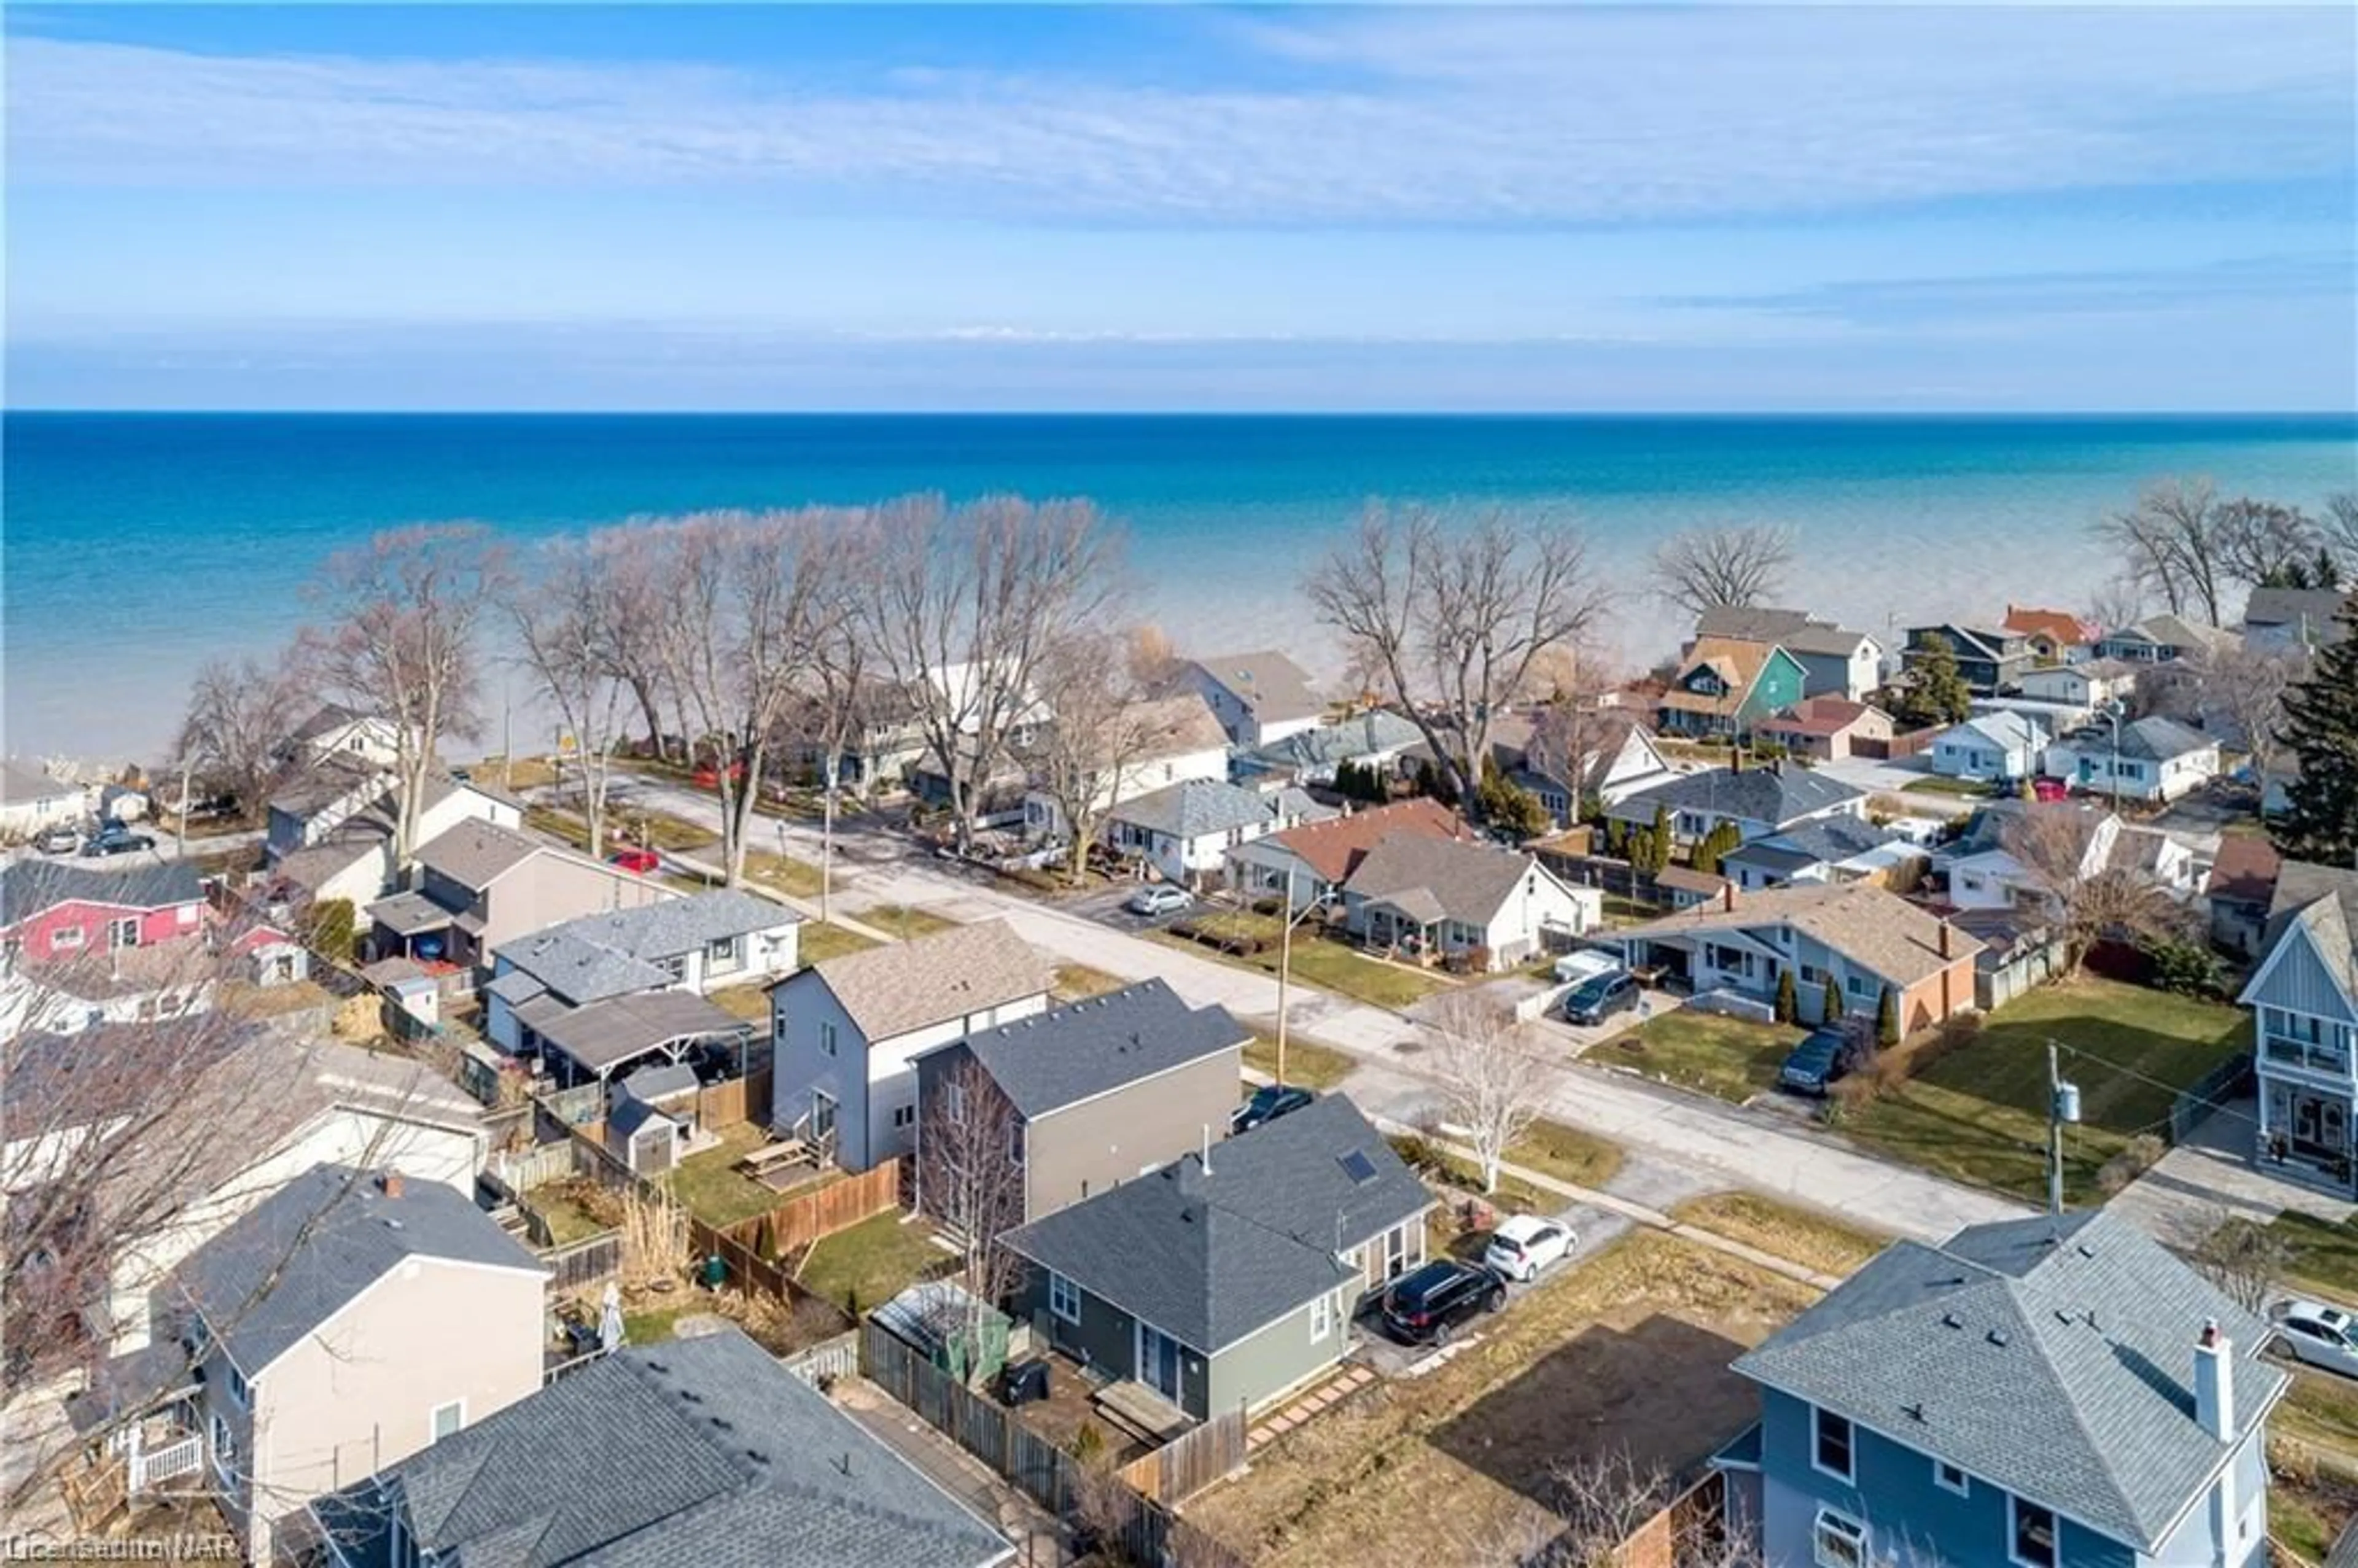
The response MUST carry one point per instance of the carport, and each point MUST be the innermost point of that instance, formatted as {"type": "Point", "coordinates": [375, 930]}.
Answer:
{"type": "Point", "coordinates": [590, 1044]}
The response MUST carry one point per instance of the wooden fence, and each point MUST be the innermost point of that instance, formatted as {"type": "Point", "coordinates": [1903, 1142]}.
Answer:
{"type": "Point", "coordinates": [837, 1357]}
{"type": "Point", "coordinates": [537, 1167]}
{"type": "Point", "coordinates": [1191, 1461]}
{"type": "Point", "coordinates": [841, 1203]}
{"type": "Point", "coordinates": [735, 1099]}
{"type": "Point", "coordinates": [1691, 1528]}
{"type": "Point", "coordinates": [580, 1264]}
{"type": "Point", "coordinates": [1147, 1531]}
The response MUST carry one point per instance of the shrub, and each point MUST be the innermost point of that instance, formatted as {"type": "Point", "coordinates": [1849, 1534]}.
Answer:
{"type": "Point", "coordinates": [327, 928]}
{"type": "Point", "coordinates": [1088, 1443]}
{"type": "Point", "coordinates": [2131, 1163]}
{"type": "Point", "coordinates": [1830, 1003]}
{"type": "Point", "coordinates": [1886, 1019]}
{"type": "Point", "coordinates": [1789, 998]}
{"type": "Point", "coordinates": [2184, 969]}
{"type": "Point", "coordinates": [1416, 1151]}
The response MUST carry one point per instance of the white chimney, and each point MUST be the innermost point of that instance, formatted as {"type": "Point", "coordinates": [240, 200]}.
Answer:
{"type": "Point", "coordinates": [2214, 1382]}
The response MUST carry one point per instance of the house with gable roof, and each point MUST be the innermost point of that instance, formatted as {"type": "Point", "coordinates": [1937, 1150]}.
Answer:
{"type": "Point", "coordinates": [1828, 729]}
{"type": "Point", "coordinates": [1769, 798]}
{"type": "Point", "coordinates": [845, 1033]}
{"type": "Point", "coordinates": [1316, 858]}
{"type": "Point", "coordinates": [2055, 636]}
{"type": "Point", "coordinates": [1990, 746]}
{"type": "Point", "coordinates": [2159, 640]}
{"type": "Point", "coordinates": [2153, 759]}
{"type": "Point", "coordinates": [2045, 1393]}
{"type": "Point", "coordinates": [1463, 900]}
{"type": "Point", "coordinates": [1990, 661]}
{"type": "Point", "coordinates": [1260, 698]}
{"type": "Point", "coordinates": [1185, 829]}
{"type": "Point", "coordinates": [479, 886]}
{"type": "Point", "coordinates": [31, 800]}
{"type": "Point", "coordinates": [2281, 620]}
{"type": "Point", "coordinates": [1727, 686]}
{"type": "Point", "coordinates": [1834, 660]}
{"type": "Point", "coordinates": [2304, 1001]}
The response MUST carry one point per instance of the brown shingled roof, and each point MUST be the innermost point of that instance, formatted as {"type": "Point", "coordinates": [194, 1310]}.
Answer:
{"type": "Point", "coordinates": [902, 986]}
{"type": "Point", "coordinates": [1877, 930]}
{"type": "Point", "coordinates": [1817, 716]}
{"type": "Point", "coordinates": [2245, 870]}
{"type": "Point", "coordinates": [1333, 850]}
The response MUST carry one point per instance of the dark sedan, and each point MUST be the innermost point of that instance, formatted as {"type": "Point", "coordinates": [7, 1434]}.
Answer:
{"type": "Point", "coordinates": [116, 839]}
{"type": "Point", "coordinates": [1268, 1103]}
{"type": "Point", "coordinates": [1823, 1056]}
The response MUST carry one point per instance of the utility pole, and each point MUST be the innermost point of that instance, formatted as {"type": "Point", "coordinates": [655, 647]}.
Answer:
{"type": "Point", "coordinates": [827, 835]}
{"type": "Point", "coordinates": [507, 740]}
{"type": "Point", "coordinates": [182, 835]}
{"type": "Point", "coordinates": [2062, 1106]}
{"type": "Point", "coordinates": [1284, 968]}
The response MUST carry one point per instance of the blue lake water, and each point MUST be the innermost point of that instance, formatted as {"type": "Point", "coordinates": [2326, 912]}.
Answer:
{"type": "Point", "coordinates": [137, 544]}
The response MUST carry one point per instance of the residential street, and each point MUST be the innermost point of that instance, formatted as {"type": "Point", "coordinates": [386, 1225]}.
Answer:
{"type": "Point", "coordinates": [1743, 1149]}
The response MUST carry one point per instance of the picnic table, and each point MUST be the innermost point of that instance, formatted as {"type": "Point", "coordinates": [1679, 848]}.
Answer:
{"type": "Point", "coordinates": [761, 1163]}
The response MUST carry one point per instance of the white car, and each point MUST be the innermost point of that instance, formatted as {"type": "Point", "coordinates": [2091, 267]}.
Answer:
{"type": "Point", "coordinates": [1524, 1244]}
{"type": "Point", "coordinates": [1159, 899]}
{"type": "Point", "coordinates": [1584, 965]}
{"type": "Point", "coordinates": [2321, 1336]}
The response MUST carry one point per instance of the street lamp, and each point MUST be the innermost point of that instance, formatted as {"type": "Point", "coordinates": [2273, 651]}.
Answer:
{"type": "Point", "coordinates": [2113, 711]}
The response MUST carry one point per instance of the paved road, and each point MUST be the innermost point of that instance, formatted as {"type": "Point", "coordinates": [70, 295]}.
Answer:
{"type": "Point", "coordinates": [1737, 1147]}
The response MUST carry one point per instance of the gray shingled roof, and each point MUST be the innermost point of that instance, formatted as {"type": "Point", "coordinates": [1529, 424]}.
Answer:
{"type": "Point", "coordinates": [701, 1450]}
{"type": "Point", "coordinates": [2316, 607]}
{"type": "Point", "coordinates": [1091, 1047]}
{"type": "Point", "coordinates": [475, 853]}
{"type": "Point", "coordinates": [1361, 735]}
{"type": "Point", "coordinates": [1211, 1257]}
{"type": "Point", "coordinates": [2003, 727]}
{"type": "Point", "coordinates": [903, 986]}
{"type": "Point", "coordinates": [1822, 840]}
{"type": "Point", "coordinates": [616, 952]}
{"type": "Point", "coordinates": [1771, 794]}
{"type": "Point", "coordinates": [21, 785]}
{"type": "Point", "coordinates": [1749, 622]}
{"type": "Point", "coordinates": [1194, 809]}
{"type": "Point", "coordinates": [1457, 880]}
{"type": "Point", "coordinates": [2052, 1357]}
{"type": "Point", "coordinates": [1273, 686]}
{"type": "Point", "coordinates": [29, 886]}
{"type": "Point", "coordinates": [317, 1245]}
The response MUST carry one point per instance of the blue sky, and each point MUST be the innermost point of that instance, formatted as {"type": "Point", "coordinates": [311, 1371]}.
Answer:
{"type": "Point", "coordinates": [1752, 208]}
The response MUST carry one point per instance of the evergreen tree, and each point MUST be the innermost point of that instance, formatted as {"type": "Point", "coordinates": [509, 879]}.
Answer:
{"type": "Point", "coordinates": [1936, 691]}
{"type": "Point", "coordinates": [1721, 842]}
{"type": "Point", "coordinates": [1658, 843]}
{"type": "Point", "coordinates": [1830, 1006]}
{"type": "Point", "coordinates": [1887, 1018]}
{"type": "Point", "coordinates": [2320, 726]}
{"type": "Point", "coordinates": [1789, 998]}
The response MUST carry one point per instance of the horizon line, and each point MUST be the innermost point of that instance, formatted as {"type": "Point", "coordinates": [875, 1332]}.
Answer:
{"type": "Point", "coordinates": [1889, 415]}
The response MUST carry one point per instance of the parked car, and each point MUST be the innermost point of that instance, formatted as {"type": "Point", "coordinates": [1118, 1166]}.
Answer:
{"type": "Point", "coordinates": [1161, 898]}
{"type": "Point", "coordinates": [116, 839]}
{"type": "Point", "coordinates": [58, 840]}
{"type": "Point", "coordinates": [2318, 1335]}
{"type": "Point", "coordinates": [646, 862]}
{"type": "Point", "coordinates": [1268, 1103]}
{"type": "Point", "coordinates": [1822, 1056]}
{"type": "Point", "coordinates": [1599, 997]}
{"type": "Point", "coordinates": [2048, 791]}
{"type": "Point", "coordinates": [1425, 1305]}
{"type": "Point", "coordinates": [1523, 1244]}
{"type": "Point", "coordinates": [1586, 965]}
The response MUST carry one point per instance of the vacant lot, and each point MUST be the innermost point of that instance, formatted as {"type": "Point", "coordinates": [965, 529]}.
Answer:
{"type": "Point", "coordinates": [1980, 1113]}
{"type": "Point", "coordinates": [1628, 1352]}
{"type": "Point", "coordinates": [1726, 1057]}
{"type": "Point", "coordinates": [1790, 1231]}
{"type": "Point", "coordinates": [2322, 1257]}
{"type": "Point", "coordinates": [1330, 963]}
{"type": "Point", "coordinates": [818, 939]}
{"type": "Point", "coordinates": [906, 921]}
{"type": "Point", "coordinates": [1307, 1063]}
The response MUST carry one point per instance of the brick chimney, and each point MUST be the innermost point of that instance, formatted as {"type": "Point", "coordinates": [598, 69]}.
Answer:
{"type": "Point", "coordinates": [389, 1184]}
{"type": "Point", "coordinates": [2214, 1382]}
{"type": "Point", "coordinates": [1727, 898]}
{"type": "Point", "coordinates": [1948, 940]}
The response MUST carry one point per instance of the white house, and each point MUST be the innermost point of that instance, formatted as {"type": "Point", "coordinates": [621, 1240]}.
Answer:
{"type": "Point", "coordinates": [1992, 878]}
{"type": "Point", "coordinates": [2084, 686]}
{"type": "Point", "coordinates": [701, 944]}
{"type": "Point", "coordinates": [2304, 1000]}
{"type": "Point", "coordinates": [1185, 829]}
{"type": "Point", "coordinates": [1259, 698]}
{"type": "Point", "coordinates": [1184, 741]}
{"type": "Point", "coordinates": [30, 800]}
{"type": "Point", "coordinates": [261, 1111]}
{"type": "Point", "coordinates": [335, 730]}
{"type": "Point", "coordinates": [2003, 745]}
{"type": "Point", "coordinates": [845, 1031]}
{"type": "Point", "coordinates": [2281, 620]}
{"type": "Point", "coordinates": [2153, 759]}
{"type": "Point", "coordinates": [331, 825]}
{"type": "Point", "coordinates": [1424, 895]}
{"type": "Point", "coordinates": [1759, 801]}
{"type": "Point", "coordinates": [1615, 757]}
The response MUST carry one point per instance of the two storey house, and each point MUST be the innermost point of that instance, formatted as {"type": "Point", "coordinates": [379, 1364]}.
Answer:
{"type": "Point", "coordinates": [2304, 1000]}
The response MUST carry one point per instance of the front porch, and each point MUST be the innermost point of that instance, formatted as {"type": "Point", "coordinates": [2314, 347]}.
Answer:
{"type": "Point", "coordinates": [2305, 1123]}
{"type": "Point", "coordinates": [142, 1435]}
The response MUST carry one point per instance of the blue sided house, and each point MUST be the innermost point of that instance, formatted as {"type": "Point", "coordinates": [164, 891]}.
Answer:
{"type": "Point", "coordinates": [2056, 1393]}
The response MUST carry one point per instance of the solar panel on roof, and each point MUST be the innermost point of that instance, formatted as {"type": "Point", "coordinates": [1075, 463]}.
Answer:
{"type": "Point", "coordinates": [1358, 1167]}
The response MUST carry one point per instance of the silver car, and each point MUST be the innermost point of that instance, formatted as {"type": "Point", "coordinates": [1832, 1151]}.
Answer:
{"type": "Point", "coordinates": [2318, 1335]}
{"type": "Point", "coordinates": [1161, 898]}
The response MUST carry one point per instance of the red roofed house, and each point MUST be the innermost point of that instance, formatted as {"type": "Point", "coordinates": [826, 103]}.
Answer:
{"type": "Point", "coordinates": [1319, 857]}
{"type": "Point", "coordinates": [2241, 890]}
{"type": "Point", "coordinates": [1823, 729]}
{"type": "Point", "coordinates": [2056, 636]}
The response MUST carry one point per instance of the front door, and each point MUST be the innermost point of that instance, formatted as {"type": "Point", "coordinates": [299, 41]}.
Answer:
{"type": "Point", "coordinates": [822, 1115]}
{"type": "Point", "coordinates": [1158, 1361]}
{"type": "Point", "coordinates": [2321, 1127]}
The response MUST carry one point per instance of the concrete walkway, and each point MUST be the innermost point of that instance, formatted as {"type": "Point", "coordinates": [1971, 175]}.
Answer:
{"type": "Point", "coordinates": [2210, 1179]}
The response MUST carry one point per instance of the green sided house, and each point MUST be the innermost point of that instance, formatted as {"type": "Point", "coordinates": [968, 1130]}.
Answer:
{"type": "Point", "coordinates": [1727, 686]}
{"type": "Point", "coordinates": [1229, 1277]}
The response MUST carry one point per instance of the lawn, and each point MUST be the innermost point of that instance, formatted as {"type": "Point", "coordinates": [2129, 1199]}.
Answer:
{"type": "Point", "coordinates": [1731, 1058]}
{"type": "Point", "coordinates": [1307, 1063]}
{"type": "Point", "coordinates": [522, 774]}
{"type": "Point", "coordinates": [713, 1189]}
{"type": "Point", "coordinates": [1790, 1231]}
{"type": "Point", "coordinates": [652, 829]}
{"type": "Point", "coordinates": [1328, 963]}
{"type": "Point", "coordinates": [560, 1207]}
{"type": "Point", "coordinates": [796, 879]}
{"type": "Point", "coordinates": [2322, 1257]}
{"type": "Point", "coordinates": [904, 922]}
{"type": "Point", "coordinates": [820, 939]}
{"type": "Point", "coordinates": [654, 1324]}
{"type": "Point", "coordinates": [1075, 982]}
{"type": "Point", "coordinates": [751, 1003]}
{"type": "Point", "coordinates": [871, 1262]}
{"type": "Point", "coordinates": [1628, 1352]}
{"type": "Point", "coordinates": [1939, 785]}
{"type": "Point", "coordinates": [1979, 1114]}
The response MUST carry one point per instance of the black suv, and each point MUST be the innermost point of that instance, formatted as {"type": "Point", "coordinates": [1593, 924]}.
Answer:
{"type": "Point", "coordinates": [1426, 1306]}
{"type": "Point", "coordinates": [1269, 1102]}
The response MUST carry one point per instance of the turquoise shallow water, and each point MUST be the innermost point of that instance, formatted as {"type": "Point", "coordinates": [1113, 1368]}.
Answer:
{"type": "Point", "coordinates": [136, 544]}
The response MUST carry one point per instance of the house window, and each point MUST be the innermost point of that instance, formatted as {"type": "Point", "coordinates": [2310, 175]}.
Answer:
{"type": "Point", "coordinates": [1063, 1298]}
{"type": "Point", "coordinates": [1838, 1540]}
{"type": "Point", "coordinates": [1809, 975]}
{"type": "Point", "coordinates": [1015, 1143]}
{"type": "Point", "coordinates": [65, 938]}
{"type": "Point", "coordinates": [1862, 985]}
{"type": "Point", "coordinates": [448, 1420]}
{"type": "Point", "coordinates": [954, 1101]}
{"type": "Point", "coordinates": [826, 1038]}
{"type": "Point", "coordinates": [1831, 1450]}
{"type": "Point", "coordinates": [676, 965]}
{"type": "Point", "coordinates": [240, 1392]}
{"type": "Point", "coordinates": [2030, 1536]}
{"type": "Point", "coordinates": [904, 1116]}
{"type": "Point", "coordinates": [722, 954]}
{"type": "Point", "coordinates": [1322, 1318]}
{"type": "Point", "coordinates": [1950, 1479]}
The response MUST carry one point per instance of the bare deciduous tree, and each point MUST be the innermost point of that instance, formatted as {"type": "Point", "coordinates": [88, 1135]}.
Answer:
{"type": "Point", "coordinates": [751, 597]}
{"type": "Point", "coordinates": [1741, 565]}
{"type": "Point", "coordinates": [2341, 530]}
{"type": "Point", "coordinates": [636, 564]}
{"type": "Point", "coordinates": [2246, 687]}
{"type": "Point", "coordinates": [2265, 541]}
{"type": "Point", "coordinates": [970, 1175]}
{"type": "Point", "coordinates": [2245, 1262]}
{"type": "Point", "coordinates": [962, 607]}
{"type": "Point", "coordinates": [1453, 617]}
{"type": "Point", "coordinates": [565, 622]}
{"type": "Point", "coordinates": [405, 616]}
{"type": "Point", "coordinates": [2070, 852]}
{"type": "Point", "coordinates": [239, 722]}
{"type": "Point", "coordinates": [1491, 1077]}
{"type": "Point", "coordinates": [2117, 602]}
{"type": "Point", "coordinates": [1105, 723]}
{"type": "Point", "coordinates": [2171, 544]}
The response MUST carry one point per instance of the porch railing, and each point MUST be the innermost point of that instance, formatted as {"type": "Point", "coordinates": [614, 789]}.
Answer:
{"type": "Point", "coordinates": [174, 1459]}
{"type": "Point", "coordinates": [2313, 1056]}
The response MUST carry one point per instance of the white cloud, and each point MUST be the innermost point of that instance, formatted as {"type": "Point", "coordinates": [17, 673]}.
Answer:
{"type": "Point", "coordinates": [1378, 117]}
